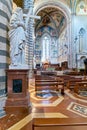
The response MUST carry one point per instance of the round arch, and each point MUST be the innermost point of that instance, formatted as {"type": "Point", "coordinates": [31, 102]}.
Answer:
{"type": "Point", "coordinates": [67, 14]}
{"type": "Point", "coordinates": [56, 4]}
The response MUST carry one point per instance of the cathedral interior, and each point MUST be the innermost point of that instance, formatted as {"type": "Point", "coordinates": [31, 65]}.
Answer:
{"type": "Point", "coordinates": [47, 88]}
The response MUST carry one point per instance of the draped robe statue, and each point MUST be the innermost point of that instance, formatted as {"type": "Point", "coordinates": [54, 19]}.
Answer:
{"type": "Point", "coordinates": [17, 36]}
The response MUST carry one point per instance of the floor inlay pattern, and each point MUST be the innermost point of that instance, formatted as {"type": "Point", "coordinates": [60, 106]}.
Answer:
{"type": "Point", "coordinates": [78, 109]}
{"type": "Point", "coordinates": [49, 115]}
{"type": "Point", "coordinates": [37, 96]}
{"type": "Point", "coordinates": [21, 123]}
{"type": "Point", "coordinates": [29, 118]}
{"type": "Point", "coordinates": [67, 92]}
{"type": "Point", "coordinates": [46, 99]}
{"type": "Point", "coordinates": [46, 105]}
{"type": "Point", "coordinates": [53, 104]}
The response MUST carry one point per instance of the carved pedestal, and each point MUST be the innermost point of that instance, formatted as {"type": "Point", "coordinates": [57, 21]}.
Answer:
{"type": "Point", "coordinates": [17, 88]}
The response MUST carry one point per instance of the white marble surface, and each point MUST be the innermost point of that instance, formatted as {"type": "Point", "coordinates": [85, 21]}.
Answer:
{"type": "Point", "coordinates": [19, 67]}
{"type": "Point", "coordinates": [17, 37]}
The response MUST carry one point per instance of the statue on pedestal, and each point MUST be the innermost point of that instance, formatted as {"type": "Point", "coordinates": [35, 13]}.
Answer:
{"type": "Point", "coordinates": [17, 36]}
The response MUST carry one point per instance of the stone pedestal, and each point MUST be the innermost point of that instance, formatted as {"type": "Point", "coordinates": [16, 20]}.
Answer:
{"type": "Point", "coordinates": [17, 88]}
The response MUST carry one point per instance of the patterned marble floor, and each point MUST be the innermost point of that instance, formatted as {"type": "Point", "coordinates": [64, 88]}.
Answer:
{"type": "Point", "coordinates": [45, 104]}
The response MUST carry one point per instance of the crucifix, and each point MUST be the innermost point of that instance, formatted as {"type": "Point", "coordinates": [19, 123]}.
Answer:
{"type": "Point", "coordinates": [29, 15]}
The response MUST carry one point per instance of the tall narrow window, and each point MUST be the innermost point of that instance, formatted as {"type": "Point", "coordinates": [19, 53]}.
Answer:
{"type": "Point", "coordinates": [82, 40]}
{"type": "Point", "coordinates": [45, 48]}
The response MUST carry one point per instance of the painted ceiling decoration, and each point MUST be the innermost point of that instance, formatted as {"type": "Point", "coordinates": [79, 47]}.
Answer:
{"type": "Point", "coordinates": [51, 17]}
{"type": "Point", "coordinates": [82, 8]}
{"type": "Point", "coordinates": [18, 2]}
{"type": "Point", "coordinates": [70, 3]}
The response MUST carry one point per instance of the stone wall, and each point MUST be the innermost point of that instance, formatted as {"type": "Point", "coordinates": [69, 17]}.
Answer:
{"type": "Point", "coordinates": [5, 13]}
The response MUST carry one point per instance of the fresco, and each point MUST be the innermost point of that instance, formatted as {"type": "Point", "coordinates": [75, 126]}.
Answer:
{"type": "Point", "coordinates": [46, 29]}
{"type": "Point", "coordinates": [81, 8]}
{"type": "Point", "coordinates": [52, 38]}
{"type": "Point", "coordinates": [54, 48]}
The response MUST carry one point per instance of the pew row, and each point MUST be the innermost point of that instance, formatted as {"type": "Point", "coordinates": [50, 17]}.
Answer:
{"type": "Point", "coordinates": [48, 83]}
{"type": "Point", "coordinates": [80, 87]}
{"type": "Point", "coordinates": [60, 124]}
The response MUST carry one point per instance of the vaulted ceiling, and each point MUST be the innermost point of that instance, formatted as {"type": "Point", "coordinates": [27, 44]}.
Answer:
{"type": "Point", "coordinates": [70, 3]}
{"type": "Point", "coordinates": [18, 2]}
{"type": "Point", "coordinates": [51, 17]}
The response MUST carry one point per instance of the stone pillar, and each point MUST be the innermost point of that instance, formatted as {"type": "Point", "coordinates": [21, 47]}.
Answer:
{"type": "Point", "coordinates": [5, 14]}
{"type": "Point", "coordinates": [30, 40]}
{"type": "Point", "coordinates": [73, 50]}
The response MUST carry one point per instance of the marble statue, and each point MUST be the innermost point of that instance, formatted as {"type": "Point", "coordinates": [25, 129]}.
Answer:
{"type": "Point", "coordinates": [17, 36]}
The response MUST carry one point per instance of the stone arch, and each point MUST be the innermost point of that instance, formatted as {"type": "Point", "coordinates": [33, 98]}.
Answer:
{"type": "Point", "coordinates": [67, 14]}
{"type": "Point", "coordinates": [57, 4]}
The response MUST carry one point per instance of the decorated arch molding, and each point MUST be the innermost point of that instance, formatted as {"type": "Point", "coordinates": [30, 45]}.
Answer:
{"type": "Point", "coordinates": [56, 4]}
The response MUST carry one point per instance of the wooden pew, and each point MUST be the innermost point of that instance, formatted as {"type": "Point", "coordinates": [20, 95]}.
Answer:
{"type": "Point", "coordinates": [59, 124]}
{"type": "Point", "coordinates": [61, 84]}
{"type": "Point", "coordinates": [72, 82]}
{"type": "Point", "coordinates": [48, 83]}
{"type": "Point", "coordinates": [44, 83]}
{"type": "Point", "coordinates": [80, 86]}
{"type": "Point", "coordinates": [65, 78]}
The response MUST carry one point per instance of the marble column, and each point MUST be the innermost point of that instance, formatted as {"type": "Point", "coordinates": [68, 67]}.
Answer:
{"type": "Point", "coordinates": [5, 14]}
{"type": "Point", "coordinates": [27, 4]}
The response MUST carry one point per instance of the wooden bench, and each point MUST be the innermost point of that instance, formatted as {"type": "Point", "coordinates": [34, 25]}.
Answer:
{"type": "Point", "coordinates": [65, 78]}
{"type": "Point", "coordinates": [72, 82]}
{"type": "Point", "coordinates": [48, 83]}
{"type": "Point", "coordinates": [80, 86]}
{"type": "Point", "coordinates": [59, 124]}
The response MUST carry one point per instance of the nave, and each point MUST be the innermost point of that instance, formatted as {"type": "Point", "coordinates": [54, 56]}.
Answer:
{"type": "Point", "coordinates": [48, 108]}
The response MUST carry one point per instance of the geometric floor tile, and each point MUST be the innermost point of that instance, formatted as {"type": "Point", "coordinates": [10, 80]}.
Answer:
{"type": "Point", "coordinates": [45, 103]}
{"type": "Point", "coordinates": [67, 92]}
{"type": "Point", "coordinates": [37, 97]}
{"type": "Point", "coordinates": [78, 109]}
{"type": "Point", "coordinates": [21, 123]}
{"type": "Point", "coordinates": [53, 104]}
{"type": "Point", "coordinates": [49, 115]}
{"type": "Point", "coordinates": [28, 118]}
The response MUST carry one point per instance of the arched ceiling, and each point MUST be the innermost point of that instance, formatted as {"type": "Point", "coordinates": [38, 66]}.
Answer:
{"type": "Point", "coordinates": [18, 2]}
{"type": "Point", "coordinates": [70, 3]}
{"type": "Point", "coordinates": [51, 17]}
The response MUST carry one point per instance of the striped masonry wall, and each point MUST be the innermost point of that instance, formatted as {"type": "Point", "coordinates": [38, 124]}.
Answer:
{"type": "Point", "coordinates": [5, 14]}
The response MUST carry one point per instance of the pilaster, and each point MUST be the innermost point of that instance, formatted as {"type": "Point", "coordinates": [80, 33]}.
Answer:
{"type": "Point", "coordinates": [30, 38]}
